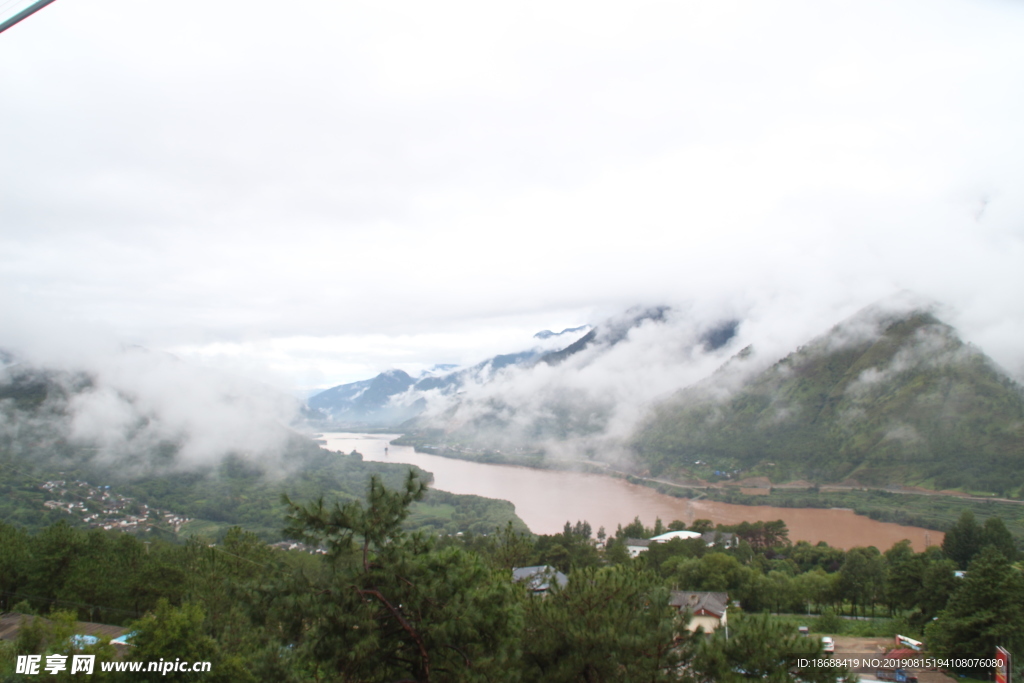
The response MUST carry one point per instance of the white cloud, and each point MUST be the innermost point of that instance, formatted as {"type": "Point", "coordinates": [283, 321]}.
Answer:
{"type": "Point", "coordinates": [310, 194]}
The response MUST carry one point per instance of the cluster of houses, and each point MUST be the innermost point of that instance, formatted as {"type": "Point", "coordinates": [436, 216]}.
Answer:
{"type": "Point", "coordinates": [98, 507]}
{"type": "Point", "coordinates": [298, 547]}
{"type": "Point", "coordinates": [707, 609]}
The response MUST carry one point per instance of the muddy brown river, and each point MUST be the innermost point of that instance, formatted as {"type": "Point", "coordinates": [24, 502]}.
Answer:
{"type": "Point", "coordinates": [546, 499]}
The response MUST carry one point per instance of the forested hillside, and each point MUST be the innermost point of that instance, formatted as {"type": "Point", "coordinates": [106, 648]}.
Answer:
{"type": "Point", "coordinates": [47, 474]}
{"type": "Point", "coordinates": [880, 400]}
{"type": "Point", "coordinates": [379, 604]}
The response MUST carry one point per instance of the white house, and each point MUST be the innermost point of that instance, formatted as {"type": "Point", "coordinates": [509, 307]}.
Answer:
{"type": "Point", "coordinates": [635, 546]}
{"type": "Point", "coordinates": [672, 535]}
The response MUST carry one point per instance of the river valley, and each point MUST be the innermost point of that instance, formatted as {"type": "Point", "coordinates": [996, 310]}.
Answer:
{"type": "Point", "coordinates": [546, 499]}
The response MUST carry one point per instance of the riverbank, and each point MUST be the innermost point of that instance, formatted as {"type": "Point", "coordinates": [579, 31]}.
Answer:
{"type": "Point", "coordinates": [547, 498]}
{"type": "Point", "coordinates": [933, 510]}
{"type": "Point", "coordinates": [937, 513]}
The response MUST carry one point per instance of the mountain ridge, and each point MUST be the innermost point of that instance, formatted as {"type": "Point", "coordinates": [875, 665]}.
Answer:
{"type": "Point", "coordinates": [904, 406]}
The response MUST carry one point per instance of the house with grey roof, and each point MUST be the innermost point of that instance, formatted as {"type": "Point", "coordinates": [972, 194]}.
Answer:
{"type": "Point", "coordinates": [707, 610]}
{"type": "Point", "coordinates": [540, 579]}
{"type": "Point", "coordinates": [635, 546]}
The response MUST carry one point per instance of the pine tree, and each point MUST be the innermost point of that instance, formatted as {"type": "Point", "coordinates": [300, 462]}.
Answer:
{"type": "Point", "coordinates": [756, 648]}
{"type": "Point", "coordinates": [608, 624]}
{"type": "Point", "coordinates": [963, 541]}
{"type": "Point", "coordinates": [983, 612]}
{"type": "Point", "coordinates": [390, 606]}
{"type": "Point", "coordinates": [995, 533]}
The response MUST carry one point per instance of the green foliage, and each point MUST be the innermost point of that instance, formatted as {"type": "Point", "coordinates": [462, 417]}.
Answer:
{"type": "Point", "coordinates": [658, 555]}
{"type": "Point", "coordinates": [634, 529]}
{"type": "Point", "coordinates": [717, 572]}
{"type": "Point", "coordinates": [877, 409]}
{"type": "Point", "coordinates": [13, 562]}
{"type": "Point", "coordinates": [231, 490]}
{"type": "Point", "coordinates": [829, 622]}
{"type": "Point", "coordinates": [237, 494]}
{"type": "Point", "coordinates": [995, 534]}
{"type": "Point", "coordinates": [816, 588]}
{"type": "Point", "coordinates": [759, 648]}
{"type": "Point", "coordinates": [821, 556]}
{"type": "Point", "coordinates": [392, 605]}
{"type": "Point", "coordinates": [699, 525]}
{"type": "Point", "coordinates": [609, 624]}
{"type": "Point", "coordinates": [509, 549]}
{"type": "Point", "coordinates": [104, 576]}
{"type": "Point", "coordinates": [52, 635]}
{"type": "Point", "coordinates": [938, 582]}
{"type": "Point", "coordinates": [983, 612]}
{"type": "Point", "coordinates": [904, 575]}
{"type": "Point", "coordinates": [571, 549]}
{"type": "Point", "coordinates": [963, 541]}
{"type": "Point", "coordinates": [861, 578]}
{"type": "Point", "coordinates": [388, 604]}
{"type": "Point", "coordinates": [179, 630]}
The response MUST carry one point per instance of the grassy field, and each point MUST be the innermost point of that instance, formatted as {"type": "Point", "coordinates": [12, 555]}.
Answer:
{"type": "Point", "coordinates": [877, 627]}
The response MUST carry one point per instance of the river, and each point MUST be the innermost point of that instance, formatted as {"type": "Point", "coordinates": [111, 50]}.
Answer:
{"type": "Point", "coordinates": [546, 499]}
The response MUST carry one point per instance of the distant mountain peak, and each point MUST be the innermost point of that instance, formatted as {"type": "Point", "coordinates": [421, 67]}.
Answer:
{"type": "Point", "coordinates": [548, 334]}
{"type": "Point", "coordinates": [442, 367]}
{"type": "Point", "coordinates": [720, 335]}
{"type": "Point", "coordinates": [396, 373]}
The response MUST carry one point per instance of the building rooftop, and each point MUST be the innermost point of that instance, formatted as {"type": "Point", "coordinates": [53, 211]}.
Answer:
{"type": "Point", "coordinates": [672, 535]}
{"type": "Point", "coordinates": [700, 602]}
{"type": "Point", "coordinates": [539, 579]}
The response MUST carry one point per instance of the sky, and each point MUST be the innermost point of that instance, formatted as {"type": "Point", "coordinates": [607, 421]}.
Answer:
{"type": "Point", "coordinates": [307, 195]}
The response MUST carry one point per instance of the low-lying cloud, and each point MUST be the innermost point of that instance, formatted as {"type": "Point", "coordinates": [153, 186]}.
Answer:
{"type": "Point", "coordinates": [127, 404]}
{"type": "Point", "coordinates": [398, 185]}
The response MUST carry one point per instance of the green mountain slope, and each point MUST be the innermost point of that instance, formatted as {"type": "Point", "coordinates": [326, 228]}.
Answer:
{"type": "Point", "coordinates": [881, 399]}
{"type": "Point", "coordinates": [41, 463]}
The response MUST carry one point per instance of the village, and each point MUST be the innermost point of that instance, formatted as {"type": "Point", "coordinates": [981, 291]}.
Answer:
{"type": "Point", "coordinates": [99, 507]}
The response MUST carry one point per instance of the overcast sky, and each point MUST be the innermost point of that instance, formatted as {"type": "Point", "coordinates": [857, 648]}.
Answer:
{"type": "Point", "coordinates": [310, 193]}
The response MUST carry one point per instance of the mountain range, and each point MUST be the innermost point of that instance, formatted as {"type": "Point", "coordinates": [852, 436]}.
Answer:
{"type": "Point", "coordinates": [890, 397]}
{"type": "Point", "coordinates": [394, 397]}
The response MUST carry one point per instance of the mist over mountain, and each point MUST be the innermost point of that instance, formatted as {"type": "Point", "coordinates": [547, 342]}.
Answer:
{"type": "Point", "coordinates": [885, 398]}
{"type": "Point", "coordinates": [131, 402]}
{"type": "Point", "coordinates": [204, 445]}
{"type": "Point", "coordinates": [368, 401]}
{"type": "Point", "coordinates": [569, 400]}
{"type": "Point", "coordinates": [889, 396]}
{"type": "Point", "coordinates": [548, 334]}
{"type": "Point", "coordinates": [394, 397]}
{"type": "Point", "coordinates": [151, 430]}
